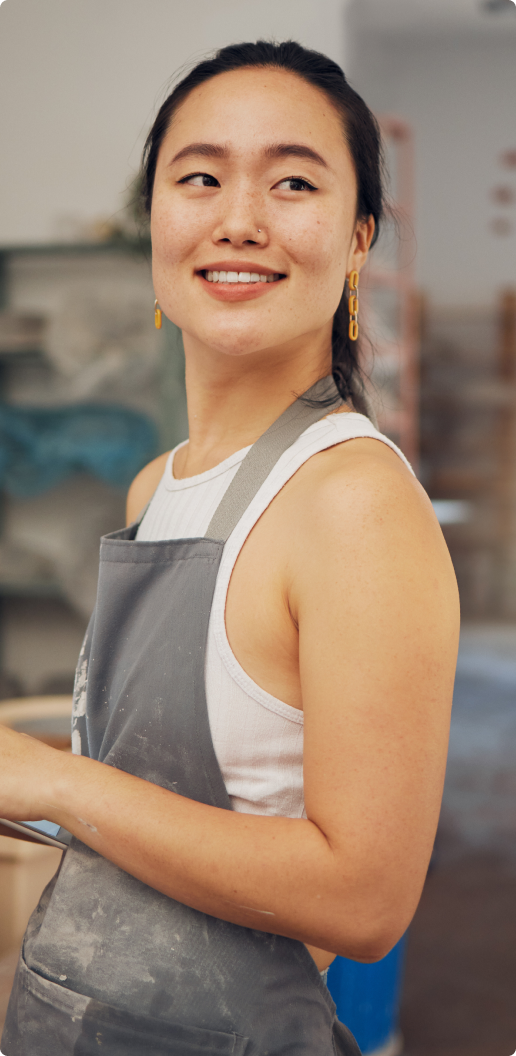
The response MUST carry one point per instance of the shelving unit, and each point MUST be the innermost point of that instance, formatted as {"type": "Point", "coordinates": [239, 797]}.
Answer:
{"type": "Point", "coordinates": [391, 303]}
{"type": "Point", "coordinates": [33, 278]}
{"type": "Point", "coordinates": [136, 247]}
{"type": "Point", "coordinates": [17, 358]}
{"type": "Point", "coordinates": [468, 448]}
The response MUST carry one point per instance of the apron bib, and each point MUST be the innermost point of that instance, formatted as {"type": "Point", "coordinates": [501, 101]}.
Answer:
{"type": "Point", "coordinates": [108, 964]}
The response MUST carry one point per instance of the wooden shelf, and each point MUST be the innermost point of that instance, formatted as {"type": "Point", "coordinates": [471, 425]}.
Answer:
{"type": "Point", "coordinates": [36, 588]}
{"type": "Point", "coordinates": [131, 245]}
{"type": "Point", "coordinates": [399, 355]}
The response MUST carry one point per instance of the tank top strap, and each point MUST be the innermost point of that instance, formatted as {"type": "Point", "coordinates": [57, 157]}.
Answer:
{"type": "Point", "coordinates": [265, 453]}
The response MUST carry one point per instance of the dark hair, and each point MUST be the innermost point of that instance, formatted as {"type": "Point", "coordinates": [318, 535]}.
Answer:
{"type": "Point", "coordinates": [363, 138]}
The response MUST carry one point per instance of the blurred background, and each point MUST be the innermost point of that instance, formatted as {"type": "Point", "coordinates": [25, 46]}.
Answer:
{"type": "Point", "coordinates": [89, 392]}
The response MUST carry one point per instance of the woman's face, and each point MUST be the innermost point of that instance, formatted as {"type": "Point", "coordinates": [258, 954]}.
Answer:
{"type": "Point", "coordinates": [254, 178]}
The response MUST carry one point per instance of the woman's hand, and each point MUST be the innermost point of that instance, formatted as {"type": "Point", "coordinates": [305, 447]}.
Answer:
{"type": "Point", "coordinates": [27, 772]}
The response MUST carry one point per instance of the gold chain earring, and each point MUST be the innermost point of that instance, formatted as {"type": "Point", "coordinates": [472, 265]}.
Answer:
{"type": "Point", "coordinates": [353, 305]}
{"type": "Point", "coordinates": [157, 316]}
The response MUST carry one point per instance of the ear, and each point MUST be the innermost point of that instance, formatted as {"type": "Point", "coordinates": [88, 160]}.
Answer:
{"type": "Point", "coordinates": [362, 238]}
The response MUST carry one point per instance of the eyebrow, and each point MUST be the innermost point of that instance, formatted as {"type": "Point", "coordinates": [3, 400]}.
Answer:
{"type": "Point", "coordinates": [295, 150]}
{"type": "Point", "coordinates": [273, 151]}
{"type": "Point", "coordinates": [201, 150]}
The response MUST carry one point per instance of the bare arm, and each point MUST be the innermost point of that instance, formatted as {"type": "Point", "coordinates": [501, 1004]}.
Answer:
{"type": "Point", "coordinates": [373, 593]}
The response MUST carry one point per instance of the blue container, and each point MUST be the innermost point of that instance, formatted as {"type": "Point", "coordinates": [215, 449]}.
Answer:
{"type": "Point", "coordinates": [368, 996]}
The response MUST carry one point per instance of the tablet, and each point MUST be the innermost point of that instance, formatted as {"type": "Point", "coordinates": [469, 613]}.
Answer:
{"type": "Point", "coordinates": [43, 831]}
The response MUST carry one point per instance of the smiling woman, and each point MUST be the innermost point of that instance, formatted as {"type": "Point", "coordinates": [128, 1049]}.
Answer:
{"type": "Point", "coordinates": [263, 695]}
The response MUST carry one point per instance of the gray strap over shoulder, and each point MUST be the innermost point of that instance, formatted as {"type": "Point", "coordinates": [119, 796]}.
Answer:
{"type": "Point", "coordinates": [264, 454]}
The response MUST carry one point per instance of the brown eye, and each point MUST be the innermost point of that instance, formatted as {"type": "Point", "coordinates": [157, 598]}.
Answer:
{"type": "Point", "coordinates": [200, 179]}
{"type": "Point", "coordinates": [295, 183]}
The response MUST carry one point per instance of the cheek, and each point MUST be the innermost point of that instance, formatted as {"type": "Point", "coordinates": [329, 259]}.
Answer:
{"type": "Point", "coordinates": [319, 248]}
{"type": "Point", "coordinates": [175, 231]}
{"type": "Point", "coordinates": [316, 239]}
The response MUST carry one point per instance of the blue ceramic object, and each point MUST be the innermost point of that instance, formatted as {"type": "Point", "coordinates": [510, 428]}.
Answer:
{"type": "Point", "coordinates": [368, 997]}
{"type": "Point", "coordinates": [41, 446]}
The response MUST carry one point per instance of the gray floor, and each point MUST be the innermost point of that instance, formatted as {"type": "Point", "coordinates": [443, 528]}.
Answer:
{"type": "Point", "coordinates": [459, 995]}
{"type": "Point", "coordinates": [479, 804]}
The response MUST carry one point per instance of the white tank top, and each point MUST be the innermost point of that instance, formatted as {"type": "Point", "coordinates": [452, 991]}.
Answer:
{"type": "Point", "coordinates": [258, 739]}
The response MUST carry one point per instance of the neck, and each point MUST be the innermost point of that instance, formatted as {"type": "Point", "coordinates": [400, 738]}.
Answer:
{"type": "Point", "coordinates": [232, 400]}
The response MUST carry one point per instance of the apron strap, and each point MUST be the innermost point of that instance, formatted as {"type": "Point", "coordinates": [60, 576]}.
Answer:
{"type": "Point", "coordinates": [267, 450]}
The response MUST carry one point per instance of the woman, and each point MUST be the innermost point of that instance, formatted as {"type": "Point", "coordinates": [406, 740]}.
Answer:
{"type": "Point", "coordinates": [217, 866]}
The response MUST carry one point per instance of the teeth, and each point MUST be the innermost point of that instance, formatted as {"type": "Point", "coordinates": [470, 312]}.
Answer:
{"type": "Point", "coordinates": [238, 276]}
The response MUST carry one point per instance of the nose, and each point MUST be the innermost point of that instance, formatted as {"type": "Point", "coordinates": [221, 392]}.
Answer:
{"type": "Point", "coordinates": [241, 223]}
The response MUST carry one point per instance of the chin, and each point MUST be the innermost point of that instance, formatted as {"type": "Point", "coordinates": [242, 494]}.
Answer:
{"type": "Point", "coordinates": [239, 341]}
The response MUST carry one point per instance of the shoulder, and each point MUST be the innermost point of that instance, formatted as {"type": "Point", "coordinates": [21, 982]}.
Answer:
{"type": "Point", "coordinates": [358, 475]}
{"type": "Point", "coordinates": [144, 485]}
{"type": "Point", "coordinates": [359, 459]}
{"type": "Point", "coordinates": [361, 512]}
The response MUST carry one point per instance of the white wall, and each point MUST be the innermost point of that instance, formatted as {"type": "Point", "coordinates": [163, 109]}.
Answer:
{"type": "Point", "coordinates": [459, 92]}
{"type": "Point", "coordinates": [441, 16]}
{"type": "Point", "coordinates": [80, 81]}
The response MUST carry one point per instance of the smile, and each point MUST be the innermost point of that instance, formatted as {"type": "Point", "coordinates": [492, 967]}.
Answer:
{"type": "Point", "coordinates": [239, 276]}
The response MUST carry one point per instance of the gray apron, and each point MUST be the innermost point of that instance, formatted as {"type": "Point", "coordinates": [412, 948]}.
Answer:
{"type": "Point", "coordinates": [108, 964]}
